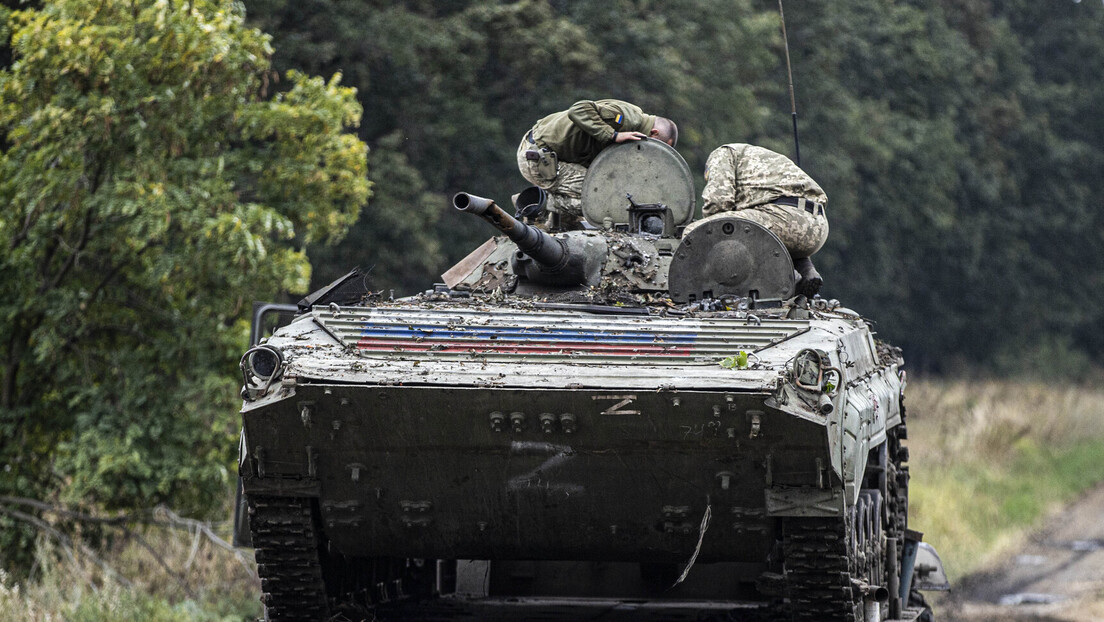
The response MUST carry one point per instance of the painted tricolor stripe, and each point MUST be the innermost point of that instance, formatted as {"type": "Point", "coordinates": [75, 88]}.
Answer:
{"type": "Point", "coordinates": [459, 333]}
{"type": "Point", "coordinates": [536, 348]}
{"type": "Point", "coordinates": [520, 340]}
{"type": "Point", "coordinates": [518, 333]}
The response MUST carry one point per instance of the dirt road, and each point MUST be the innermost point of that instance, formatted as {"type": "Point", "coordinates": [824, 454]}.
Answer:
{"type": "Point", "coordinates": [1057, 575]}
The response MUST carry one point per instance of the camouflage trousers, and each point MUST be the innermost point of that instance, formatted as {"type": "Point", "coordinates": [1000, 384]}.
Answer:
{"type": "Point", "coordinates": [802, 233]}
{"type": "Point", "coordinates": [565, 187]}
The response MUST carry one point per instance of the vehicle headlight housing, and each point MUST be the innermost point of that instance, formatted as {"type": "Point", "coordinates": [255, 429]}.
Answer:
{"type": "Point", "coordinates": [260, 366]}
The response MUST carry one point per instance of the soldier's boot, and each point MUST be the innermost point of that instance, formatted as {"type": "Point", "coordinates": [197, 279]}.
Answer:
{"type": "Point", "coordinates": [811, 280]}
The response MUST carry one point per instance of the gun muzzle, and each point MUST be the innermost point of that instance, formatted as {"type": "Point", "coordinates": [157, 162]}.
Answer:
{"type": "Point", "coordinates": [472, 204]}
{"type": "Point", "coordinates": [546, 250]}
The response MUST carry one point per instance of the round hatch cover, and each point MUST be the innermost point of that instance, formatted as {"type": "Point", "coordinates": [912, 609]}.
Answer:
{"type": "Point", "coordinates": [730, 256]}
{"type": "Point", "coordinates": [650, 170]}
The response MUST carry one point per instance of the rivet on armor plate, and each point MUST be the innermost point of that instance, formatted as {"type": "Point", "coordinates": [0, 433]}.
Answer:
{"type": "Point", "coordinates": [415, 507]}
{"type": "Point", "coordinates": [676, 401]}
{"type": "Point", "coordinates": [675, 511]}
{"type": "Point", "coordinates": [498, 421]}
{"type": "Point", "coordinates": [517, 421]}
{"type": "Point", "coordinates": [548, 423]}
{"type": "Point", "coordinates": [725, 479]}
{"type": "Point", "coordinates": [756, 423]}
{"type": "Point", "coordinates": [716, 410]}
{"type": "Point", "coordinates": [354, 471]}
{"type": "Point", "coordinates": [567, 423]}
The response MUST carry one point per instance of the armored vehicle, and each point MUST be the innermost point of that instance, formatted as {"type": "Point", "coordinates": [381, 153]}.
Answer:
{"type": "Point", "coordinates": [633, 394]}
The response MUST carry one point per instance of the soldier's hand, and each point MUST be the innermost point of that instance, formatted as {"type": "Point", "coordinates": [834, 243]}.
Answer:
{"type": "Point", "coordinates": [624, 137]}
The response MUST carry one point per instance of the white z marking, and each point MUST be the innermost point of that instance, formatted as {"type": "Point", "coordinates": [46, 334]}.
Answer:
{"type": "Point", "coordinates": [616, 408]}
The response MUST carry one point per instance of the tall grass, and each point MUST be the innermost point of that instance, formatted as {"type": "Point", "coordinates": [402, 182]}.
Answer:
{"type": "Point", "coordinates": [169, 576]}
{"type": "Point", "coordinates": [990, 459]}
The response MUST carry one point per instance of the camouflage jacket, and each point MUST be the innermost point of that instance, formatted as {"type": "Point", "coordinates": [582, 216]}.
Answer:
{"type": "Point", "coordinates": [740, 176]}
{"type": "Point", "coordinates": [579, 133]}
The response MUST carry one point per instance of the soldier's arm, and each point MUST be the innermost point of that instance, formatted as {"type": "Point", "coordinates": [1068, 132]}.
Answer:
{"type": "Point", "coordinates": [603, 120]}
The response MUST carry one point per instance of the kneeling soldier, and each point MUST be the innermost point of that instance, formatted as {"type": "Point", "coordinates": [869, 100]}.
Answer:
{"type": "Point", "coordinates": [769, 189]}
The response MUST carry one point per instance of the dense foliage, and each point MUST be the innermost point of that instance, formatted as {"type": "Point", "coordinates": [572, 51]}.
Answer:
{"type": "Point", "coordinates": [957, 139]}
{"type": "Point", "coordinates": [157, 175]}
{"type": "Point", "coordinates": [151, 192]}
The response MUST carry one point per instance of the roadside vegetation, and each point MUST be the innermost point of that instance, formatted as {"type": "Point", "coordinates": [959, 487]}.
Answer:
{"type": "Point", "coordinates": [164, 163]}
{"type": "Point", "coordinates": [175, 570]}
{"type": "Point", "coordinates": [991, 459]}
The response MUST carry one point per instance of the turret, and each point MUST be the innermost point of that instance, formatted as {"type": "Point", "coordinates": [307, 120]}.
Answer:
{"type": "Point", "coordinates": [638, 202]}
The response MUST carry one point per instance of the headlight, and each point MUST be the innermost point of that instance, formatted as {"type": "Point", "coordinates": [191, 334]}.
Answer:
{"type": "Point", "coordinates": [260, 366]}
{"type": "Point", "coordinates": [812, 371]}
{"type": "Point", "coordinates": [808, 370]}
{"type": "Point", "coordinates": [264, 362]}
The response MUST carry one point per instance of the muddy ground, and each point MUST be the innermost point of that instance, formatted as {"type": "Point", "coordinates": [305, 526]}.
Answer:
{"type": "Point", "coordinates": [1056, 575]}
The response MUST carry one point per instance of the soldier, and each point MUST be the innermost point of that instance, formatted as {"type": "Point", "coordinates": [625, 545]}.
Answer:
{"type": "Point", "coordinates": [769, 189]}
{"type": "Point", "coordinates": [555, 153]}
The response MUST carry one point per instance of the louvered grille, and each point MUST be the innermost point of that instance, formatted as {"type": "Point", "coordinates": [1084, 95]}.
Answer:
{"type": "Point", "coordinates": [546, 335]}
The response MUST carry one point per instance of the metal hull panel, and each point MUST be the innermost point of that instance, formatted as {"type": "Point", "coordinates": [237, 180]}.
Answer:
{"type": "Point", "coordinates": [422, 472]}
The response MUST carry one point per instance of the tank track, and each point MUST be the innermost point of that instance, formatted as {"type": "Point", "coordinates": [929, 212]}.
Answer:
{"type": "Point", "coordinates": [818, 570]}
{"type": "Point", "coordinates": [288, 561]}
{"type": "Point", "coordinates": [898, 484]}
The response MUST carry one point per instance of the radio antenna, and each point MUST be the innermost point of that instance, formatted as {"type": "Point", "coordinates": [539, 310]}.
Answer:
{"type": "Point", "coordinates": [789, 73]}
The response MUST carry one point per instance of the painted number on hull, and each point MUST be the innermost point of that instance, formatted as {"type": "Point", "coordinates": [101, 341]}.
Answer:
{"type": "Point", "coordinates": [617, 409]}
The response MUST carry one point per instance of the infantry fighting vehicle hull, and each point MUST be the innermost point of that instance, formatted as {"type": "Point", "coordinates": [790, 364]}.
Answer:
{"type": "Point", "coordinates": [655, 400]}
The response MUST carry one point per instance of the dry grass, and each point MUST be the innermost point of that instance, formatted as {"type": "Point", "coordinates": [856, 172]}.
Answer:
{"type": "Point", "coordinates": [990, 459]}
{"type": "Point", "coordinates": [985, 419]}
{"type": "Point", "coordinates": [179, 576]}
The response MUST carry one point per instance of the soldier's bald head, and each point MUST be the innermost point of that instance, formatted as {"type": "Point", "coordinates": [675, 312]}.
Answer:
{"type": "Point", "coordinates": [665, 130]}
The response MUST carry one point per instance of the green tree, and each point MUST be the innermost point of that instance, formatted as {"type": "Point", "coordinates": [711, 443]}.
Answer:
{"type": "Point", "coordinates": [448, 90]}
{"type": "Point", "coordinates": [707, 64]}
{"type": "Point", "coordinates": [151, 191]}
{"type": "Point", "coordinates": [958, 140]}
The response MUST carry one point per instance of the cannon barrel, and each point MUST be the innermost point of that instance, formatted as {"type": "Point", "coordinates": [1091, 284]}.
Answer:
{"type": "Point", "coordinates": [546, 250]}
